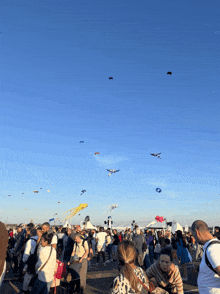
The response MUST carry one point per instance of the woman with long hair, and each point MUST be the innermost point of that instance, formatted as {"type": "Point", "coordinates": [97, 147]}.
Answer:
{"type": "Point", "coordinates": [132, 277]}
{"type": "Point", "coordinates": [164, 274]}
{"type": "Point", "coordinates": [183, 253]}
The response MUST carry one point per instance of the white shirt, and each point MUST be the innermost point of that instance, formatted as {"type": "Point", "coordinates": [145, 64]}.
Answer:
{"type": "Point", "coordinates": [101, 238]}
{"type": "Point", "coordinates": [208, 281]}
{"type": "Point", "coordinates": [47, 274]}
{"type": "Point", "coordinates": [29, 248]}
{"type": "Point", "coordinates": [54, 240]}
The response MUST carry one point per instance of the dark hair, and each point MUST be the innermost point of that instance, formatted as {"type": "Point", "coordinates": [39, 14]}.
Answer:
{"type": "Point", "coordinates": [180, 236]}
{"type": "Point", "coordinates": [168, 252]}
{"type": "Point", "coordinates": [46, 224]}
{"type": "Point", "coordinates": [56, 228]}
{"type": "Point", "coordinates": [199, 225]}
{"type": "Point", "coordinates": [101, 229]}
{"type": "Point", "coordinates": [47, 237]}
{"type": "Point", "coordinates": [30, 226]}
{"type": "Point", "coordinates": [167, 241]}
{"type": "Point", "coordinates": [64, 230]}
{"type": "Point", "coordinates": [39, 228]}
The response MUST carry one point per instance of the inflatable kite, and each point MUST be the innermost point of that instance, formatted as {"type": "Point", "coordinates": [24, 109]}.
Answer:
{"type": "Point", "coordinates": [52, 219]}
{"type": "Point", "coordinates": [169, 73]}
{"type": "Point", "coordinates": [156, 154]}
{"type": "Point", "coordinates": [74, 211]}
{"type": "Point", "coordinates": [158, 190]}
{"type": "Point", "coordinates": [112, 171]}
{"type": "Point", "coordinates": [110, 78]}
{"type": "Point", "coordinates": [82, 192]}
{"type": "Point", "coordinates": [35, 191]}
{"type": "Point", "coordinates": [97, 153]}
{"type": "Point", "coordinates": [159, 218]}
{"type": "Point", "coordinates": [110, 208]}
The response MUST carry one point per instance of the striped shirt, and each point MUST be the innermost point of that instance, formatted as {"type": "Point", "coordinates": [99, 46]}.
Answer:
{"type": "Point", "coordinates": [174, 277]}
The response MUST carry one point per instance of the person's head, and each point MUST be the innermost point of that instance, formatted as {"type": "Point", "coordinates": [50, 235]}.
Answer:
{"type": "Point", "coordinates": [179, 234]}
{"type": "Point", "coordinates": [200, 232]}
{"type": "Point", "coordinates": [150, 233]}
{"type": "Point", "coordinates": [46, 239]}
{"type": "Point", "coordinates": [33, 232]}
{"type": "Point", "coordinates": [78, 238]}
{"type": "Point", "coordinates": [165, 259]}
{"type": "Point", "coordinates": [64, 231]}
{"type": "Point", "coordinates": [216, 229]}
{"type": "Point", "coordinates": [28, 231]}
{"type": "Point", "coordinates": [167, 242]}
{"type": "Point", "coordinates": [114, 231]}
{"type": "Point", "coordinates": [19, 228]}
{"type": "Point", "coordinates": [101, 229]}
{"type": "Point", "coordinates": [138, 231]}
{"type": "Point", "coordinates": [45, 227]}
{"type": "Point", "coordinates": [127, 255]}
{"type": "Point", "coordinates": [30, 226]}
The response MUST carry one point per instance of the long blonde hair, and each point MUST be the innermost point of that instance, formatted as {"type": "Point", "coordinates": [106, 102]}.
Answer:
{"type": "Point", "coordinates": [127, 254]}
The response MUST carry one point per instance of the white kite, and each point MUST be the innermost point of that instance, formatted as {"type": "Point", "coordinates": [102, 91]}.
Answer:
{"type": "Point", "coordinates": [110, 208]}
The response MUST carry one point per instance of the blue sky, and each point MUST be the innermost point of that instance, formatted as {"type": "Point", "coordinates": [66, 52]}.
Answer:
{"type": "Point", "coordinates": [56, 60]}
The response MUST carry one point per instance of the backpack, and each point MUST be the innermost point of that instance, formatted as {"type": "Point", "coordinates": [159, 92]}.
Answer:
{"type": "Point", "coordinates": [206, 258]}
{"type": "Point", "coordinates": [61, 270]}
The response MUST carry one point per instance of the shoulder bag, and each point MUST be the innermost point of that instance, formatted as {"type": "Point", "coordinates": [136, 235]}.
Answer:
{"type": "Point", "coordinates": [34, 278]}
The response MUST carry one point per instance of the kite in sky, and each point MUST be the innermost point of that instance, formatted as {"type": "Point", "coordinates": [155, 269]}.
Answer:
{"type": "Point", "coordinates": [50, 220]}
{"type": "Point", "coordinates": [169, 73]}
{"type": "Point", "coordinates": [58, 202]}
{"type": "Point", "coordinates": [81, 142]}
{"type": "Point", "coordinates": [158, 190]}
{"type": "Point", "coordinates": [74, 211]}
{"type": "Point", "coordinates": [159, 218]}
{"type": "Point", "coordinates": [112, 171]}
{"type": "Point", "coordinates": [110, 208]}
{"type": "Point", "coordinates": [9, 195]}
{"type": "Point", "coordinates": [82, 192]}
{"type": "Point", "coordinates": [156, 154]}
{"type": "Point", "coordinates": [97, 153]}
{"type": "Point", "coordinates": [110, 78]}
{"type": "Point", "coordinates": [48, 191]}
{"type": "Point", "coordinates": [35, 191]}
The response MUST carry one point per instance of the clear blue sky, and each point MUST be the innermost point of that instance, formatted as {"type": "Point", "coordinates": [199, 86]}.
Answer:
{"type": "Point", "coordinates": [56, 59]}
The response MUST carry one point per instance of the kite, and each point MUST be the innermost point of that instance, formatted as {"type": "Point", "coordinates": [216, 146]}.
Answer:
{"type": "Point", "coordinates": [25, 208]}
{"type": "Point", "coordinates": [9, 195]}
{"type": "Point", "coordinates": [112, 171]}
{"type": "Point", "coordinates": [40, 188]}
{"type": "Point", "coordinates": [110, 208]}
{"type": "Point", "coordinates": [156, 154]}
{"type": "Point", "coordinates": [22, 193]}
{"type": "Point", "coordinates": [158, 190]}
{"type": "Point", "coordinates": [48, 191]}
{"type": "Point", "coordinates": [81, 142]}
{"type": "Point", "coordinates": [50, 220]}
{"type": "Point", "coordinates": [110, 78]}
{"type": "Point", "coordinates": [35, 191]}
{"type": "Point", "coordinates": [83, 191]}
{"type": "Point", "coordinates": [97, 153]}
{"type": "Point", "coordinates": [169, 73]}
{"type": "Point", "coordinates": [159, 218]}
{"type": "Point", "coordinates": [74, 211]}
{"type": "Point", "coordinates": [55, 213]}
{"type": "Point", "coordinates": [58, 202]}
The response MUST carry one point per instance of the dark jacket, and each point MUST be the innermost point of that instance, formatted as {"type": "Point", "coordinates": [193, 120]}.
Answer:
{"type": "Point", "coordinates": [69, 247]}
{"type": "Point", "coordinates": [19, 242]}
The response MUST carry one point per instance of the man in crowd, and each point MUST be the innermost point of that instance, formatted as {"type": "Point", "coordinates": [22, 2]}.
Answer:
{"type": "Point", "coordinates": [115, 245]}
{"type": "Point", "coordinates": [3, 249]}
{"type": "Point", "coordinates": [217, 232]}
{"type": "Point", "coordinates": [101, 244]}
{"type": "Point", "coordinates": [209, 271]}
{"type": "Point", "coordinates": [19, 239]}
{"type": "Point", "coordinates": [45, 229]}
{"type": "Point", "coordinates": [138, 241]}
{"type": "Point", "coordinates": [81, 249]}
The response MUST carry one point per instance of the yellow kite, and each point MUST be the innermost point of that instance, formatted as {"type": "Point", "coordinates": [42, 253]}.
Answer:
{"type": "Point", "coordinates": [74, 211]}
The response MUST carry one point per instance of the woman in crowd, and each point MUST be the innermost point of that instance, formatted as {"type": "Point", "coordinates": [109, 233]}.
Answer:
{"type": "Point", "coordinates": [182, 253]}
{"type": "Point", "coordinates": [164, 274]}
{"type": "Point", "coordinates": [132, 277]}
{"type": "Point", "coordinates": [59, 271]}
{"type": "Point", "coordinates": [45, 276]}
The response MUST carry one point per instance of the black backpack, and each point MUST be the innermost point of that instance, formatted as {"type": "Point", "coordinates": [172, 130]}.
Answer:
{"type": "Point", "coordinates": [32, 260]}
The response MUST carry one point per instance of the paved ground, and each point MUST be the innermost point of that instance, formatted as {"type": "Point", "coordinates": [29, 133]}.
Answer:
{"type": "Point", "coordinates": [99, 280]}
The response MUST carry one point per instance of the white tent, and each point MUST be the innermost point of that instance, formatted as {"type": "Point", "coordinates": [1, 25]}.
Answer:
{"type": "Point", "coordinates": [88, 226]}
{"type": "Point", "coordinates": [175, 227]}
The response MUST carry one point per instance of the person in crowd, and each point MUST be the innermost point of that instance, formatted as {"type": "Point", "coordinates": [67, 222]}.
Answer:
{"type": "Point", "coordinates": [138, 241]}
{"type": "Point", "coordinates": [217, 232]}
{"type": "Point", "coordinates": [45, 229]}
{"type": "Point", "coordinates": [209, 270]}
{"type": "Point", "coordinates": [182, 253]}
{"type": "Point", "coordinates": [115, 244]}
{"type": "Point", "coordinates": [109, 246]}
{"type": "Point", "coordinates": [120, 237]}
{"type": "Point", "coordinates": [63, 239]}
{"type": "Point", "coordinates": [101, 244]}
{"type": "Point", "coordinates": [59, 271]}
{"type": "Point", "coordinates": [90, 256]}
{"type": "Point", "coordinates": [128, 235]}
{"type": "Point", "coordinates": [81, 249]}
{"type": "Point", "coordinates": [150, 245]}
{"type": "Point", "coordinates": [29, 249]}
{"type": "Point", "coordinates": [46, 258]}
{"type": "Point", "coordinates": [164, 274]}
{"type": "Point", "coordinates": [167, 244]}
{"type": "Point", "coordinates": [157, 244]}
{"type": "Point", "coordinates": [94, 244]}
{"type": "Point", "coordinates": [3, 250]}
{"type": "Point", "coordinates": [69, 246]}
{"type": "Point", "coordinates": [19, 239]}
{"type": "Point", "coordinates": [132, 278]}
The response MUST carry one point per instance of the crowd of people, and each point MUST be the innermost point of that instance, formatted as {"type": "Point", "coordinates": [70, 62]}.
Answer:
{"type": "Point", "coordinates": [148, 260]}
